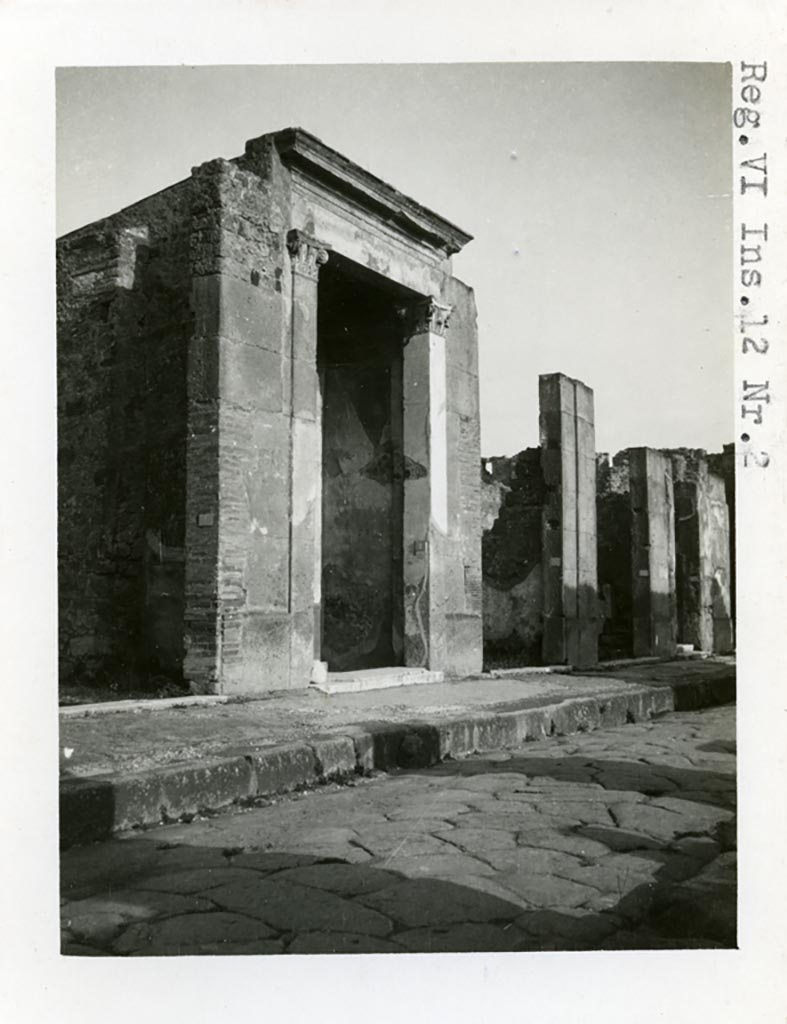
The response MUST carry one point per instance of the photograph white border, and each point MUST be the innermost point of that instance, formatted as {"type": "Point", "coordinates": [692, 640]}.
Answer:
{"type": "Point", "coordinates": [35, 982]}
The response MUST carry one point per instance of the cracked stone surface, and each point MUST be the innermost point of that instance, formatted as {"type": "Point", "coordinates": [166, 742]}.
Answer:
{"type": "Point", "coordinates": [621, 839]}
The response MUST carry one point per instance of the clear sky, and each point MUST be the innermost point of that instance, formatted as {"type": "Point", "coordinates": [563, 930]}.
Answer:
{"type": "Point", "coordinates": [597, 194]}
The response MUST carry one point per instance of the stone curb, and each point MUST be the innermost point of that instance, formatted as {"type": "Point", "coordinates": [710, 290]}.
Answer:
{"type": "Point", "coordinates": [92, 808]}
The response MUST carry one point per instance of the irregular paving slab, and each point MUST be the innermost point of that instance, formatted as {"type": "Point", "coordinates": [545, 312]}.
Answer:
{"type": "Point", "coordinates": [650, 820]}
{"type": "Point", "coordinates": [216, 932]}
{"type": "Point", "coordinates": [395, 843]}
{"type": "Point", "coordinates": [289, 907]}
{"type": "Point", "coordinates": [200, 880]}
{"type": "Point", "coordinates": [546, 890]}
{"type": "Point", "coordinates": [98, 919]}
{"type": "Point", "coordinates": [578, 927]}
{"type": "Point", "coordinates": [419, 903]}
{"type": "Point", "coordinates": [438, 865]}
{"type": "Point", "coordinates": [342, 879]}
{"type": "Point", "coordinates": [341, 942]}
{"type": "Point", "coordinates": [478, 841]}
{"type": "Point", "coordinates": [461, 938]}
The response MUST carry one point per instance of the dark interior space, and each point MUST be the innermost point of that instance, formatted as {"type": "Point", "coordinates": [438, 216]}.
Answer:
{"type": "Point", "coordinates": [360, 364]}
{"type": "Point", "coordinates": [614, 575]}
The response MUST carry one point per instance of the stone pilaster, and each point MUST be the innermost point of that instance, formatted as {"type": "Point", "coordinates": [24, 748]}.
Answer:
{"type": "Point", "coordinates": [307, 255]}
{"type": "Point", "coordinates": [425, 447]}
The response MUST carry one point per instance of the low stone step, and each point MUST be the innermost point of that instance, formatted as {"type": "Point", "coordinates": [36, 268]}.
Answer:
{"type": "Point", "coordinates": [376, 679]}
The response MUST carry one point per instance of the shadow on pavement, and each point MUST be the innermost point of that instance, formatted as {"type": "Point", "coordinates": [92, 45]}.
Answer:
{"type": "Point", "coordinates": [141, 896]}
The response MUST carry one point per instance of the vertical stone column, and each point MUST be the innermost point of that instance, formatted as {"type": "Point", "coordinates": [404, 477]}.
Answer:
{"type": "Point", "coordinates": [703, 555]}
{"type": "Point", "coordinates": [307, 255]}
{"type": "Point", "coordinates": [652, 554]}
{"type": "Point", "coordinates": [425, 511]}
{"type": "Point", "coordinates": [566, 421]}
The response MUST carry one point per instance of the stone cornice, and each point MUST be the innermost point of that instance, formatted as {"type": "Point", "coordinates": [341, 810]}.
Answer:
{"type": "Point", "coordinates": [298, 149]}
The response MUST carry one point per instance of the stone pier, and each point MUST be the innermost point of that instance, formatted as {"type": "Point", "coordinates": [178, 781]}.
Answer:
{"type": "Point", "coordinates": [569, 556]}
{"type": "Point", "coordinates": [653, 601]}
{"type": "Point", "coordinates": [704, 558]}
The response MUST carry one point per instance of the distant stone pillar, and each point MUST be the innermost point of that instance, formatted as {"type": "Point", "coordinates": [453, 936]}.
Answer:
{"type": "Point", "coordinates": [569, 555]}
{"type": "Point", "coordinates": [425, 506]}
{"type": "Point", "coordinates": [652, 554]}
{"type": "Point", "coordinates": [307, 255]}
{"type": "Point", "coordinates": [703, 556]}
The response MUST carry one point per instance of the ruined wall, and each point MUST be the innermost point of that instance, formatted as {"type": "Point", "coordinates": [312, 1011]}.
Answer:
{"type": "Point", "coordinates": [513, 495]}
{"type": "Point", "coordinates": [124, 321]}
{"type": "Point", "coordinates": [704, 553]}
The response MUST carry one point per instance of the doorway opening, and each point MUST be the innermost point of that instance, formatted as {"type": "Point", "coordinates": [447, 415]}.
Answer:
{"type": "Point", "coordinates": [359, 357]}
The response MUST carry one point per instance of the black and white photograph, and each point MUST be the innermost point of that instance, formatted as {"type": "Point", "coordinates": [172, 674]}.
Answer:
{"type": "Point", "coordinates": [396, 605]}
{"type": "Point", "coordinates": [394, 546]}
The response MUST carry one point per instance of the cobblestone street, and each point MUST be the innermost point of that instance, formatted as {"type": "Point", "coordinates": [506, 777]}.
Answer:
{"type": "Point", "coordinates": [621, 838]}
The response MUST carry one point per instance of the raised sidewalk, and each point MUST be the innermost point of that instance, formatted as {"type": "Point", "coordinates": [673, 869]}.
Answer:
{"type": "Point", "coordinates": [125, 767]}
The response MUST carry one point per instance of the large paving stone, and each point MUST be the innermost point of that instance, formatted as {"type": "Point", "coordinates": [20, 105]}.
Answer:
{"type": "Point", "coordinates": [342, 879]}
{"type": "Point", "coordinates": [532, 861]}
{"type": "Point", "coordinates": [703, 817]}
{"type": "Point", "coordinates": [460, 938]}
{"type": "Point", "coordinates": [616, 873]}
{"type": "Point", "coordinates": [425, 903]}
{"type": "Point", "coordinates": [396, 842]}
{"type": "Point", "coordinates": [557, 839]}
{"type": "Point", "coordinates": [449, 866]}
{"type": "Point", "coordinates": [83, 869]}
{"type": "Point", "coordinates": [269, 862]}
{"type": "Point", "coordinates": [650, 820]}
{"type": "Point", "coordinates": [704, 907]}
{"type": "Point", "coordinates": [99, 918]}
{"type": "Point", "coordinates": [78, 949]}
{"type": "Point", "coordinates": [216, 932]}
{"type": "Point", "coordinates": [300, 908]}
{"type": "Point", "coordinates": [546, 890]}
{"type": "Point", "coordinates": [341, 942]}
{"type": "Point", "coordinates": [479, 841]}
{"type": "Point", "coordinates": [578, 927]}
{"type": "Point", "coordinates": [573, 811]}
{"type": "Point", "coordinates": [196, 881]}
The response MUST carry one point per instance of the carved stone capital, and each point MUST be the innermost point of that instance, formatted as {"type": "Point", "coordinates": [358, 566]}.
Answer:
{"type": "Point", "coordinates": [426, 316]}
{"type": "Point", "coordinates": [306, 253]}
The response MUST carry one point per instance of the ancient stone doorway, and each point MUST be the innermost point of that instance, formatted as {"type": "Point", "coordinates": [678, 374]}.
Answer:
{"type": "Point", "coordinates": [359, 354]}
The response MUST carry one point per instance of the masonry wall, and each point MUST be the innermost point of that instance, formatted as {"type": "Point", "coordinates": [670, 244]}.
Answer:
{"type": "Point", "coordinates": [245, 596]}
{"type": "Point", "coordinates": [191, 431]}
{"type": "Point", "coordinates": [513, 495]}
{"type": "Point", "coordinates": [124, 323]}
